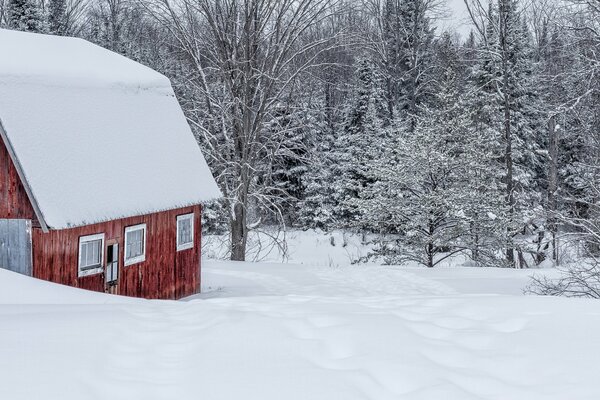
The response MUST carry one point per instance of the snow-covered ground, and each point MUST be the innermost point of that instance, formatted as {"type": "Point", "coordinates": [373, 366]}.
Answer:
{"type": "Point", "coordinates": [310, 247]}
{"type": "Point", "coordinates": [315, 247]}
{"type": "Point", "coordinates": [284, 331]}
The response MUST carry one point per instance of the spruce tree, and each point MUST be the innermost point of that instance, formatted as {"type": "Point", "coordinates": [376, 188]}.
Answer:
{"type": "Point", "coordinates": [408, 39]}
{"type": "Point", "coordinates": [508, 104]}
{"type": "Point", "coordinates": [317, 207]}
{"type": "Point", "coordinates": [57, 17]}
{"type": "Point", "coordinates": [25, 15]}
{"type": "Point", "coordinates": [421, 183]}
{"type": "Point", "coordinates": [357, 143]}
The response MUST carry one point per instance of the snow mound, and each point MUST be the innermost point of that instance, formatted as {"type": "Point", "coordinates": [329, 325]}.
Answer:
{"type": "Point", "coordinates": [17, 289]}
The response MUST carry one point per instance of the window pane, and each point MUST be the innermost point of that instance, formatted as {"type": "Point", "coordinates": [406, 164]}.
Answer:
{"type": "Point", "coordinates": [129, 238]}
{"type": "Point", "coordinates": [184, 231]}
{"type": "Point", "coordinates": [95, 253]}
{"type": "Point", "coordinates": [135, 243]}
{"type": "Point", "coordinates": [180, 231]}
{"type": "Point", "coordinates": [83, 255]}
{"type": "Point", "coordinates": [90, 254]}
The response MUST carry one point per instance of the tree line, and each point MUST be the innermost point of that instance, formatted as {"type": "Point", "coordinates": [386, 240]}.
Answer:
{"type": "Point", "coordinates": [363, 115]}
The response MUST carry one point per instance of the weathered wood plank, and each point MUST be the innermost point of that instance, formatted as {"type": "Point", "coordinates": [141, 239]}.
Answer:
{"type": "Point", "coordinates": [14, 202]}
{"type": "Point", "coordinates": [166, 273]}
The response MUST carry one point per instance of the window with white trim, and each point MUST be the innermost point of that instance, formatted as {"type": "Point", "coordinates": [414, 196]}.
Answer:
{"type": "Point", "coordinates": [91, 254]}
{"type": "Point", "coordinates": [185, 231]}
{"type": "Point", "coordinates": [135, 244]}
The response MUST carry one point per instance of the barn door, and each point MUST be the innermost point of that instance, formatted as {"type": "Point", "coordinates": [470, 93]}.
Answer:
{"type": "Point", "coordinates": [15, 245]}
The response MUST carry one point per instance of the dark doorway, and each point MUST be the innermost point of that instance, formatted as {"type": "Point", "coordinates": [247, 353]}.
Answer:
{"type": "Point", "coordinates": [112, 264]}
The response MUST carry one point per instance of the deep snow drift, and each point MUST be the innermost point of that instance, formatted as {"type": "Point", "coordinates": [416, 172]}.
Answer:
{"type": "Point", "coordinates": [282, 331]}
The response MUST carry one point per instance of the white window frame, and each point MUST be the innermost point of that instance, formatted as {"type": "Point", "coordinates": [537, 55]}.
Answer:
{"type": "Point", "coordinates": [189, 245]}
{"type": "Point", "coordinates": [140, 258]}
{"type": "Point", "coordinates": [92, 271]}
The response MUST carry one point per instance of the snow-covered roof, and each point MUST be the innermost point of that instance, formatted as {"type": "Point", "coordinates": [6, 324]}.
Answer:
{"type": "Point", "coordinates": [95, 135]}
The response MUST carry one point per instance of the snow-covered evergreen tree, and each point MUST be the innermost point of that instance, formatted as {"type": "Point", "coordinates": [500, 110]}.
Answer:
{"type": "Point", "coordinates": [508, 104]}
{"type": "Point", "coordinates": [357, 144]}
{"type": "Point", "coordinates": [317, 208]}
{"type": "Point", "coordinates": [291, 130]}
{"type": "Point", "coordinates": [408, 38]}
{"type": "Point", "coordinates": [425, 184]}
{"type": "Point", "coordinates": [57, 17]}
{"type": "Point", "coordinates": [25, 15]}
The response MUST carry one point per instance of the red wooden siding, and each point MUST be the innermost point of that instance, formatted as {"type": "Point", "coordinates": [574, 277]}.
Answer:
{"type": "Point", "coordinates": [14, 202]}
{"type": "Point", "coordinates": [165, 274]}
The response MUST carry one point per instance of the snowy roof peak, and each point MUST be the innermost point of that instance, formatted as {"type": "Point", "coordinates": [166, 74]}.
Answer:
{"type": "Point", "coordinates": [94, 135]}
{"type": "Point", "coordinates": [59, 60]}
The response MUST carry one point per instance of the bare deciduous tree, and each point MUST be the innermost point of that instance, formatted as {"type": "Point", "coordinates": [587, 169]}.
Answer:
{"type": "Point", "coordinates": [244, 57]}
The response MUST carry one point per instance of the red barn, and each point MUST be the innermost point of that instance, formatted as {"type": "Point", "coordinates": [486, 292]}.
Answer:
{"type": "Point", "coordinates": [101, 179]}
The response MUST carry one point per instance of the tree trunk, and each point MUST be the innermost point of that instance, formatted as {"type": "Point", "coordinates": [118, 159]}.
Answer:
{"type": "Point", "coordinates": [390, 98]}
{"type": "Point", "coordinates": [239, 227]}
{"type": "Point", "coordinates": [552, 184]}
{"type": "Point", "coordinates": [430, 255]}
{"type": "Point", "coordinates": [510, 199]}
{"type": "Point", "coordinates": [430, 246]}
{"type": "Point", "coordinates": [239, 235]}
{"type": "Point", "coordinates": [475, 241]}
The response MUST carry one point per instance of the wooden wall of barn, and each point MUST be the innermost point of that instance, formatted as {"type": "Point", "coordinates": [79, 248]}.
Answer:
{"type": "Point", "coordinates": [165, 274]}
{"type": "Point", "coordinates": [14, 203]}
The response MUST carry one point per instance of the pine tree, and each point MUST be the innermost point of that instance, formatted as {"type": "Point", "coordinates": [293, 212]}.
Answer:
{"type": "Point", "coordinates": [425, 186]}
{"type": "Point", "coordinates": [317, 207]}
{"type": "Point", "coordinates": [478, 209]}
{"type": "Point", "coordinates": [57, 17]}
{"type": "Point", "coordinates": [530, 134]}
{"type": "Point", "coordinates": [408, 41]}
{"type": "Point", "coordinates": [290, 130]}
{"type": "Point", "coordinates": [357, 144]}
{"type": "Point", "coordinates": [510, 106]}
{"type": "Point", "coordinates": [483, 209]}
{"type": "Point", "coordinates": [579, 139]}
{"type": "Point", "coordinates": [25, 15]}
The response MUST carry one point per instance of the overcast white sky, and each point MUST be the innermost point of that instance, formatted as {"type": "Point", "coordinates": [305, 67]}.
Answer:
{"type": "Point", "coordinates": [458, 18]}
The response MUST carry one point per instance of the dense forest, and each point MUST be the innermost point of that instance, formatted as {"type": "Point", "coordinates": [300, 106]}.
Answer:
{"type": "Point", "coordinates": [364, 115]}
